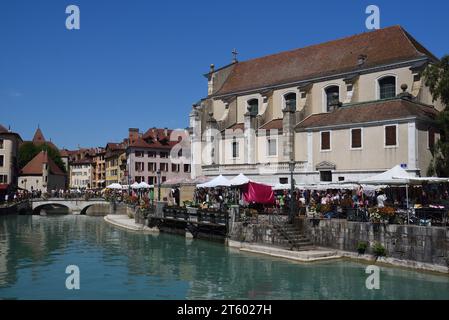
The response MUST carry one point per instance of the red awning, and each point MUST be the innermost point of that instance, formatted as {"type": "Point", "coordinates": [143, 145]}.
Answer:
{"type": "Point", "coordinates": [4, 186]}
{"type": "Point", "coordinates": [258, 193]}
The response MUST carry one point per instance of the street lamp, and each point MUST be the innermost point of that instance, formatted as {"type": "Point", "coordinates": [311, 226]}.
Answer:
{"type": "Point", "coordinates": [158, 184]}
{"type": "Point", "coordinates": [292, 189]}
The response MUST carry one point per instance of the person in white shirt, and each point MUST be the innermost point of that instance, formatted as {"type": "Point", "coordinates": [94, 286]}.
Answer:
{"type": "Point", "coordinates": [381, 198]}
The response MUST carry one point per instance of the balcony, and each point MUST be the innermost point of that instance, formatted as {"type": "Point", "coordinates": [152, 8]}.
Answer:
{"type": "Point", "coordinates": [253, 169]}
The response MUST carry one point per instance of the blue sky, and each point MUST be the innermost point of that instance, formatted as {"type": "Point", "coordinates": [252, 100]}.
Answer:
{"type": "Point", "coordinates": [138, 63]}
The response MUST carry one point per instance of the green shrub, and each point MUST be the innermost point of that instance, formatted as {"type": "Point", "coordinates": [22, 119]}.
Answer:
{"type": "Point", "coordinates": [379, 250]}
{"type": "Point", "coordinates": [362, 246]}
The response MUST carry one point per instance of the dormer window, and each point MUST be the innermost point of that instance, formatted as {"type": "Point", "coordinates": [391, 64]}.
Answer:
{"type": "Point", "coordinates": [253, 107]}
{"type": "Point", "coordinates": [387, 87]}
{"type": "Point", "coordinates": [332, 95]}
{"type": "Point", "coordinates": [290, 101]}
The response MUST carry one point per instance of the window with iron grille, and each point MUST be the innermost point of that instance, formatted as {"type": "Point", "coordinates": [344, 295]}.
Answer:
{"type": "Point", "coordinates": [326, 176]}
{"type": "Point", "coordinates": [387, 87]}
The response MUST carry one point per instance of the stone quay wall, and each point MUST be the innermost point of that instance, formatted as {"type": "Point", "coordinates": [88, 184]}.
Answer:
{"type": "Point", "coordinates": [261, 232]}
{"type": "Point", "coordinates": [405, 242]}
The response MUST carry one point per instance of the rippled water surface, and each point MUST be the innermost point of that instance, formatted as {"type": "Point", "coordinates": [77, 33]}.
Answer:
{"type": "Point", "coordinates": [117, 264]}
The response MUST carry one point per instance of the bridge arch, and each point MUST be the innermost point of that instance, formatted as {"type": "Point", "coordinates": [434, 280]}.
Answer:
{"type": "Point", "coordinates": [74, 206]}
{"type": "Point", "coordinates": [87, 206]}
{"type": "Point", "coordinates": [37, 209]}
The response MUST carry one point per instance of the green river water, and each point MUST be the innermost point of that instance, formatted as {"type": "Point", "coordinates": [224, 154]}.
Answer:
{"type": "Point", "coordinates": [119, 264]}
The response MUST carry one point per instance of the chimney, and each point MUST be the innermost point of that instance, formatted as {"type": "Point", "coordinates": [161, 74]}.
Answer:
{"type": "Point", "coordinates": [133, 134]}
{"type": "Point", "coordinates": [165, 132]}
{"type": "Point", "coordinates": [212, 68]}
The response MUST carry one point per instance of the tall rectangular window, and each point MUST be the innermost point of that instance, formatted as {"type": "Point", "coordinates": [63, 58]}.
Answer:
{"type": "Point", "coordinates": [139, 154]}
{"type": "Point", "coordinates": [151, 166]}
{"type": "Point", "coordinates": [272, 146]}
{"type": "Point", "coordinates": [356, 138]}
{"type": "Point", "coordinates": [164, 154]}
{"type": "Point", "coordinates": [163, 167]}
{"type": "Point", "coordinates": [325, 140]}
{"type": "Point", "coordinates": [2, 160]}
{"type": "Point", "coordinates": [3, 178]}
{"type": "Point", "coordinates": [390, 136]}
{"type": "Point", "coordinates": [139, 166]}
{"type": "Point", "coordinates": [235, 149]}
{"type": "Point", "coordinates": [174, 167]}
{"type": "Point", "coordinates": [1, 143]}
{"type": "Point", "coordinates": [152, 154]}
{"type": "Point", "coordinates": [186, 167]}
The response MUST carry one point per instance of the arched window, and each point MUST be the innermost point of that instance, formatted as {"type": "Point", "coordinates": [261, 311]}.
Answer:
{"type": "Point", "coordinates": [387, 87]}
{"type": "Point", "coordinates": [253, 107]}
{"type": "Point", "coordinates": [332, 96]}
{"type": "Point", "coordinates": [290, 101]}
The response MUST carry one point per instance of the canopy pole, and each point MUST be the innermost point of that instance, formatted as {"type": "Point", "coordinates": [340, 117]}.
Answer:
{"type": "Point", "coordinates": [408, 211]}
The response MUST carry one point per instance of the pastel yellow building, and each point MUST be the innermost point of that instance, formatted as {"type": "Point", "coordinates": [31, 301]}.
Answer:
{"type": "Point", "coordinates": [340, 110]}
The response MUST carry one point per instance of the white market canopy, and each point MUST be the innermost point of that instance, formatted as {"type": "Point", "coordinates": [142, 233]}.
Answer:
{"type": "Point", "coordinates": [135, 185]}
{"type": "Point", "coordinates": [219, 181]}
{"type": "Point", "coordinates": [114, 186]}
{"type": "Point", "coordinates": [419, 180]}
{"type": "Point", "coordinates": [395, 175]}
{"type": "Point", "coordinates": [144, 185]}
{"type": "Point", "coordinates": [240, 180]}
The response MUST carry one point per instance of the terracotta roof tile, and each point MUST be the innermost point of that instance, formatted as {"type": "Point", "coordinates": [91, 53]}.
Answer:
{"type": "Point", "coordinates": [380, 47]}
{"type": "Point", "coordinates": [140, 143]}
{"type": "Point", "coordinates": [381, 110]}
{"type": "Point", "coordinates": [35, 166]}
{"type": "Point", "coordinates": [236, 126]}
{"type": "Point", "coordinates": [273, 124]}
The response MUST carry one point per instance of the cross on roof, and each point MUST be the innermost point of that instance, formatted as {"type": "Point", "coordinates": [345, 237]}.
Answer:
{"type": "Point", "coordinates": [234, 54]}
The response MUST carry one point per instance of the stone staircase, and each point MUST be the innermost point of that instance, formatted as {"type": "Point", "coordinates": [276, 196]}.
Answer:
{"type": "Point", "coordinates": [290, 236]}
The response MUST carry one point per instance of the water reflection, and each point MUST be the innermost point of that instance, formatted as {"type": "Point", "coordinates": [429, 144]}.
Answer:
{"type": "Point", "coordinates": [116, 264]}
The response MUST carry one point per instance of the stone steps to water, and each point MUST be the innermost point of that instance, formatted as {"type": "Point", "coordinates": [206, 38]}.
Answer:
{"type": "Point", "coordinates": [293, 237]}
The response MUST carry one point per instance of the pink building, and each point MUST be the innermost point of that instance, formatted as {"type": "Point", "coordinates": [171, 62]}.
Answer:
{"type": "Point", "coordinates": [150, 153]}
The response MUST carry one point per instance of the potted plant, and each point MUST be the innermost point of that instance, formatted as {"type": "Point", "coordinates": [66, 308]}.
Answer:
{"type": "Point", "coordinates": [361, 247]}
{"type": "Point", "coordinates": [379, 250]}
{"type": "Point", "coordinates": [387, 214]}
{"type": "Point", "coordinates": [375, 219]}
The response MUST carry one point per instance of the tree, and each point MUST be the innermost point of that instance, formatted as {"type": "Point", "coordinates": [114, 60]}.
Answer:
{"type": "Point", "coordinates": [28, 151]}
{"type": "Point", "coordinates": [437, 79]}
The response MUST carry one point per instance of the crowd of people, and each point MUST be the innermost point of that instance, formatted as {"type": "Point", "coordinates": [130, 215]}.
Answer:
{"type": "Point", "coordinates": [21, 195]}
{"type": "Point", "coordinates": [332, 203]}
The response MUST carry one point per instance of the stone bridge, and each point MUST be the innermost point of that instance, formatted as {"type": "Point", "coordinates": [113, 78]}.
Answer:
{"type": "Point", "coordinates": [75, 206]}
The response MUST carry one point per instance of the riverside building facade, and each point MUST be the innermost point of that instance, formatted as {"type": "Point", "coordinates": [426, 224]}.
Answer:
{"type": "Point", "coordinates": [337, 111]}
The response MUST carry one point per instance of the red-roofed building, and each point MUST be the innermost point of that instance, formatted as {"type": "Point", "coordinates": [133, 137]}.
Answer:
{"type": "Point", "coordinates": [153, 152]}
{"type": "Point", "coordinates": [42, 174]}
{"type": "Point", "coordinates": [341, 110]}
